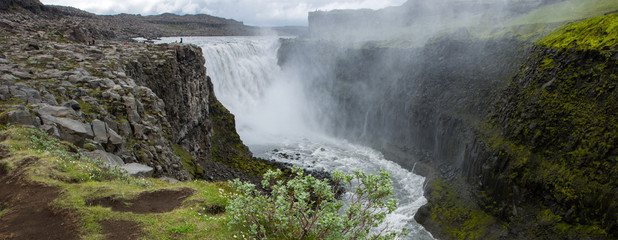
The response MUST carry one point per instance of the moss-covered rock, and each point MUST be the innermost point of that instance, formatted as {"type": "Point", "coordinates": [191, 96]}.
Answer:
{"type": "Point", "coordinates": [228, 148]}
{"type": "Point", "coordinates": [551, 140]}
{"type": "Point", "coordinates": [599, 33]}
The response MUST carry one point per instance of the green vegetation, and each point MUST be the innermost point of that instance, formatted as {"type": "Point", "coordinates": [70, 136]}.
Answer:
{"type": "Point", "coordinates": [555, 134]}
{"type": "Point", "coordinates": [600, 33]}
{"type": "Point", "coordinates": [81, 180]}
{"type": "Point", "coordinates": [564, 11]}
{"type": "Point", "coordinates": [188, 162]}
{"type": "Point", "coordinates": [228, 148]}
{"type": "Point", "coordinates": [44, 160]}
{"type": "Point", "coordinates": [460, 219]}
{"type": "Point", "coordinates": [306, 208]}
{"type": "Point", "coordinates": [546, 19]}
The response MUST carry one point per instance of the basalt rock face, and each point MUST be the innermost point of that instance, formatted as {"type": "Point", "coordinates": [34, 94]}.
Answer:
{"type": "Point", "coordinates": [177, 74]}
{"type": "Point", "coordinates": [416, 105]}
{"type": "Point", "coordinates": [519, 136]}
{"type": "Point", "coordinates": [547, 157]}
{"type": "Point", "coordinates": [126, 103]}
{"type": "Point", "coordinates": [542, 163]}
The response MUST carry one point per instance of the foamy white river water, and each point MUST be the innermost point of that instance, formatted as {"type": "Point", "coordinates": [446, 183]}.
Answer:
{"type": "Point", "coordinates": [274, 119]}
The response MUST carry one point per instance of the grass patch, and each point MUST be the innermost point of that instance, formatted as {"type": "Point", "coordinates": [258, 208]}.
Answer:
{"type": "Point", "coordinates": [460, 219]}
{"type": "Point", "coordinates": [82, 180]}
{"type": "Point", "coordinates": [600, 33]}
{"type": "Point", "coordinates": [564, 11]}
{"type": "Point", "coordinates": [546, 19]}
{"type": "Point", "coordinates": [188, 162]}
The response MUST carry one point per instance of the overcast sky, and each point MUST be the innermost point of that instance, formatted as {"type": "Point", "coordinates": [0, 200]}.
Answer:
{"type": "Point", "coordinates": [251, 12]}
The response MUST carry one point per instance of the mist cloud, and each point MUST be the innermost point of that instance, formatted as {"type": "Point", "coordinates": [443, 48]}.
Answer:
{"type": "Point", "coordinates": [251, 12]}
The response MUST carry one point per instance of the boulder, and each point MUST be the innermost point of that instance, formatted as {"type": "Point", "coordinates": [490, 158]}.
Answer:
{"type": "Point", "coordinates": [50, 129]}
{"type": "Point", "coordinates": [9, 77]}
{"type": "Point", "coordinates": [4, 93]}
{"type": "Point", "coordinates": [169, 179]}
{"type": "Point", "coordinates": [110, 159]}
{"type": "Point", "coordinates": [49, 98]}
{"type": "Point", "coordinates": [71, 130]}
{"type": "Point", "coordinates": [138, 170]}
{"type": "Point", "coordinates": [33, 96]}
{"type": "Point", "coordinates": [72, 104]}
{"type": "Point", "coordinates": [100, 131]}
{"type": "Point", "coordinates": [114, 138]}
{"type": "Point", "coordinates": [56, 111]}
{"type": "Point", "coordinates": [20, 117]}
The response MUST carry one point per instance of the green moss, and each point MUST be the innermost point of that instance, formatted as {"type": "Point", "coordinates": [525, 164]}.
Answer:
{"type": "Point", "coordinates": [460, 218]}
{"type": "Point", "coordinates": [188, 162]}
{"type": "Point", "coordinates": [569, 10]}
{"type": "Point", "coordinates": [600, 33]}
{"type": "Point", "coordinates": [90, 147]}
{"type": "Point", "coordinates": [228, 148]}
{"type": "Point", "coordinates": [90, 110]}
{"type": "Point", "coordinates": [13, 101]}
{"type": "Point", "coordinates": [554, 134]}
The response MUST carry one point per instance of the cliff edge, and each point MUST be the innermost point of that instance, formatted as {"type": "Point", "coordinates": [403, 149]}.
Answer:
{"type": "Point", "coordinates": [544, 163]}
{"type": "Point", "coordinates": [128, 103]}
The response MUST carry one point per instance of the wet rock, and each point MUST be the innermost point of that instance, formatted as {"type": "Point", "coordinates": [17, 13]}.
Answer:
{"type": "Point", "coordinates": [138, 170]}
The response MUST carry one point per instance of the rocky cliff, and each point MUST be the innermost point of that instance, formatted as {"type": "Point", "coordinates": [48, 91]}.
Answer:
{"type": "Point", "coordinates": [519, 136]}
{"type": "Point", "coordinates": [544, 162]}
{"type": "Point", "coordinates": [416, 105]}
{"type": "Point", "coordinates": [141, 106]}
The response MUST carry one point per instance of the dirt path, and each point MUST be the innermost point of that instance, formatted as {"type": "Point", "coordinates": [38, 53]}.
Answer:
{"type": "Point", "coordinates": [29, 214]}
{"type": "Point", "coordinates": [148, 202]}
{"type": "Point", "coordinates": [120, 230]}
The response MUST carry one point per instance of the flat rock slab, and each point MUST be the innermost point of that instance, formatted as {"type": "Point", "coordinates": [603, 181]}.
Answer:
{"type": "Point", "coordinates": [110, 159]}
{"type": "Point", "coordinates": [147, 202]}
{"type": "Point", "coordinates": [138, 170]}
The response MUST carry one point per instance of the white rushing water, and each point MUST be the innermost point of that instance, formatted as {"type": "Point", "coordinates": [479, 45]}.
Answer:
{"type": "Point", "coordinates": [274, 119]}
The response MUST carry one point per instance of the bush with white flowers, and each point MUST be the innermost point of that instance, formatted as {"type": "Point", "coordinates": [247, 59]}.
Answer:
{"type": "Point", "coordinates": [306, 208]}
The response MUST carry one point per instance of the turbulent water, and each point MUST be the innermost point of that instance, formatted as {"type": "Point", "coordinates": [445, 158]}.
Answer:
{"type": "Point", "coordinates": [274, 118]}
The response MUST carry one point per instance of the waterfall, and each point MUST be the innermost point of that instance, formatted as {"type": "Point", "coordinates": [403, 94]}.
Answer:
{"type": "Point", "coordinates": [275, 118]}
{"type": "Point", "coordinates": [267, 102]}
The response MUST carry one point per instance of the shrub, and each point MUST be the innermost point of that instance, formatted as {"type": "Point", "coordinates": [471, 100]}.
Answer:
{"type": "Point", "coordinates": [307, 208]}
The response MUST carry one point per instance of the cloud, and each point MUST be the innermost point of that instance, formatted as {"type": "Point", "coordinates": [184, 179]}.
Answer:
{"type": "Point", "coordinates": [251, 12]}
